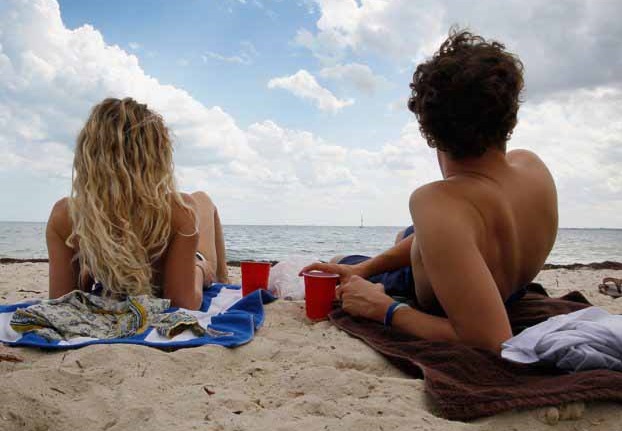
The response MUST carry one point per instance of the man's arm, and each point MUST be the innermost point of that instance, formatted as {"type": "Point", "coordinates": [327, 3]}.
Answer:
{"type": "Point", "coordinates": [448, 229]}
{"type": "Point", "coordinates": [394, 258]}
{"type": "Point", "coordinates": [361, 298]}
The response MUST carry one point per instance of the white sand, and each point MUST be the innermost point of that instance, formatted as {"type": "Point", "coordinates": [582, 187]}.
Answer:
{"type": "Point", "coordinates": [293, 376]}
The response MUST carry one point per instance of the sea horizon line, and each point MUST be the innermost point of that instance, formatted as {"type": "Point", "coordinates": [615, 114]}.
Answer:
{"type": "Point", "coordinates": [325, 225]}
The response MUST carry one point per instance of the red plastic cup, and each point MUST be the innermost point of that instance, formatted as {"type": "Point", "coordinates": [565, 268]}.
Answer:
{"type": "Point", "coordinates": [319, 293]}
{"type": "Point", "coordinates": [255, 276]}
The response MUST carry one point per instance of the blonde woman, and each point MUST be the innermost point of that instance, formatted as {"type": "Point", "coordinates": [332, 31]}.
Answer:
{"type": "Point", "coordinates": [125, 229]}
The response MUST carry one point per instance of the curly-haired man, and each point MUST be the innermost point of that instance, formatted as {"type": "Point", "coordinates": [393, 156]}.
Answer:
{"type": "Point", "coordinates": [484, 231]}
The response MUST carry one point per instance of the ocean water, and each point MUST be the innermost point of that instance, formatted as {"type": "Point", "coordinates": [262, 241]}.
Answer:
{"type": "Point", "coordinates": [27, 240]}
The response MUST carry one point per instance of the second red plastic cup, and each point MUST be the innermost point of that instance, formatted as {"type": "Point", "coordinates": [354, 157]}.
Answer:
{"type": "Point", "coordinates": [255, 276]}
{"type": "Point", "coordinates": [319, 293]}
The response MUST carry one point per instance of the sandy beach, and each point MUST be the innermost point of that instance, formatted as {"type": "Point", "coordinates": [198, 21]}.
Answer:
{"type": "Point", "coordinates": [293, 375]}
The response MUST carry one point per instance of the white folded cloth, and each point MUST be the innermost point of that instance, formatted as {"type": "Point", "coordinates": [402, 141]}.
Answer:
{"type": "Point", "coordinates": [584, 340]}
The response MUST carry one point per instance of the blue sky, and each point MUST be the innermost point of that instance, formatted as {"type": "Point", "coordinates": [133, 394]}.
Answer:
{"type": "Point", "coordinates": [293, 112]}
{"type": "Point", "coordinates": [174, 37]}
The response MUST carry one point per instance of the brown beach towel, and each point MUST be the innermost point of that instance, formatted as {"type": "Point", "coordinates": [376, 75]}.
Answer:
{"type": "Point", "coordinates": [467, 383]}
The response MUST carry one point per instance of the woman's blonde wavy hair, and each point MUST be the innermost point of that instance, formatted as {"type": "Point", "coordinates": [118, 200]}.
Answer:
{"type": "Point", "coordinates": [122, 196]}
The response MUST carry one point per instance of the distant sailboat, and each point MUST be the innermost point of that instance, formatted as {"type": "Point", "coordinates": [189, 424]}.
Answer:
{"type": "Point", "coordinates": [361, 226]}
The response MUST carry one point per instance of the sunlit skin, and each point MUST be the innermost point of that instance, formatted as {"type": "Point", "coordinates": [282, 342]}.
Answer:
{"type": "Point", "coordinates": [482, 233]}
{"type": "Point", "coordinates": [182, 275]}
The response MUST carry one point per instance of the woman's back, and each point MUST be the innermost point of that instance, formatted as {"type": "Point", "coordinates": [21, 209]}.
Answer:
{"type": "Point", "coordinates": [60, 225]}
{"type": "Point", "coordinates": [125, 224]}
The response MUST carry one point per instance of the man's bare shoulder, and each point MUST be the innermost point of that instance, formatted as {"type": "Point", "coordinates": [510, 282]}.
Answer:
{"type": "Point", "coordinates": [444, 217]}
{"type": "Point", "coordinates": [520, 156]}
{"type": "Point", "coordinates": [525, 161]}
{"type": "Point", "coordinates": [435, 200]}
{"type": "Point", "coordinates": [442, 191]}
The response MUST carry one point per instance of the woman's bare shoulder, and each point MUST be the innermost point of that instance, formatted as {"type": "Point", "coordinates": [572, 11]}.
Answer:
{"type": "Point", "coordinates": [60, 220]}
{"type": "Point", "coordinates": [183, 220]}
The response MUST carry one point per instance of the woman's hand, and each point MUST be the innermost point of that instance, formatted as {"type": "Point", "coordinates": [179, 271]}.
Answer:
{"type": "Point", "coordinates": [345, 272]}
{"type": "Point", "coordinates": [360, 297]}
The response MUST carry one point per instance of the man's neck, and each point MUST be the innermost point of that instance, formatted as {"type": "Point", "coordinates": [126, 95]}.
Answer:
{"type": "Point", "coordinates": [487, 164]}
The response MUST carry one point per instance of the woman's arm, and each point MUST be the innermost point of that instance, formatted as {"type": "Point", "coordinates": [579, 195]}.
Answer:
{"type": "Point", "coordinates": [63, 276]}
{"type": "Point", "coordinates": [183, 280]}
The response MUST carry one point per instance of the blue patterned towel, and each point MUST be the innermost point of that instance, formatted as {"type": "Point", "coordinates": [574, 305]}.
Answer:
{"type": "Point", "coordinates": [226, 318]}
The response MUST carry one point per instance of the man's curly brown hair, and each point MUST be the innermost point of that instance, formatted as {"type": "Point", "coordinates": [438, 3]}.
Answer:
{"type": "Point", "coordinates": [466, 96]}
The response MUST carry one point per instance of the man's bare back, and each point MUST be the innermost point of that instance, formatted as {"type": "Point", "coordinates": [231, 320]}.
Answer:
{"type": "Point", "coordinates": [515, 218]}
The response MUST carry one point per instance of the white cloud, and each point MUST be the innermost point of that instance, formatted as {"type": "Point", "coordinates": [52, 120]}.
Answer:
{"type": "Point", "coordinates": [300, 157]}
{"type": "Point", "coordinates": [246, 56]}
{"type": "Point", "coordinates": [356, 74]}
{"type": "Point", "coordinates": [230, 59]}
{"type": "Point", "coordinates": [390, 28]}
{"type": "Point", "coordinates": [303, 176]}
{"type": "Point", "coordinates": [576, 136]}
{"type": "Point", "coordinates": [304, 85]}
{"type": "Point", "coordinates": [134, 46]}
{"type": "Point", "coordinates": [567, 45]}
